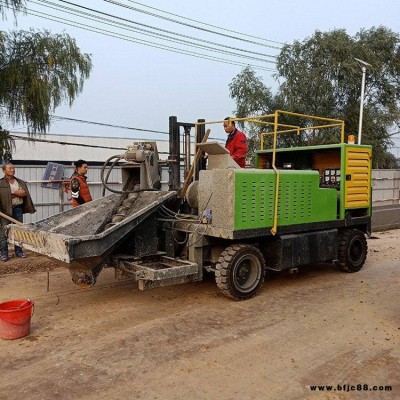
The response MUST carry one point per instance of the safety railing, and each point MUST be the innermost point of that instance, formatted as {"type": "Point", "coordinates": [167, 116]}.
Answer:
{"type": "Point", "coordinates": [281, 128]}
{"type": "Point", "coordinates": [332, 123]}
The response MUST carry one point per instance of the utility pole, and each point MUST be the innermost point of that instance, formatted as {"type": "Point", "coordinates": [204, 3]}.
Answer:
{"type": "Point", "coordinates": [364, 66]}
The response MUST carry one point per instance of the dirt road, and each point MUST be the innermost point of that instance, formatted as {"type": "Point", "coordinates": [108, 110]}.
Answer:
{"type": "Point", "coordinates": [321, 327]}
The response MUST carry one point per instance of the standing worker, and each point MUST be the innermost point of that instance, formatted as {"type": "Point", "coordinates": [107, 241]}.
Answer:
{"type": "Point", "coordinates": [236, 142]}
{"type": "Point", "coordinates": [79, 187]}
{"type": "Point", "coordinates": [15, 201]}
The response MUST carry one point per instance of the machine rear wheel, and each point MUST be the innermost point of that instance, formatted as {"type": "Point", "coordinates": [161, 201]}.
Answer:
{"type": "Point", "coordinates": [239, 272]}
{"type": "Point", "coordinates": [353, 249]}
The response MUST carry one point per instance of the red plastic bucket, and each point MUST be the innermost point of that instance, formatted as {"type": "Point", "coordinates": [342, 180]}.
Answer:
{"type": "Point", "coordinates": [15, 318]}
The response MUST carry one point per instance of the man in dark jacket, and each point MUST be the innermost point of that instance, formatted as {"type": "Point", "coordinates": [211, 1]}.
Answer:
{"type": "Point", "coordinates": [236, 142]}
{"type": "Point", "coordinates": [79, 187]}
{"type": "Point", "coordinates": [15, 201]}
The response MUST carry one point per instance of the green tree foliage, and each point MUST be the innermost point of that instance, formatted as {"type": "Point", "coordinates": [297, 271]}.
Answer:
{"type": "Point", "coordinates": [38, 71]}
{"type": "Point", "coordinates": [14, 5]}
{"type": "Point", "coordinates": [319, 76]}
{"type": "Point", "coordinates": [252, 98]}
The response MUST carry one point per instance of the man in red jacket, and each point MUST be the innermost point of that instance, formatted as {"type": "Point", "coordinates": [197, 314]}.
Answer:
{"type": "Point", "coordinates": [236, 142]}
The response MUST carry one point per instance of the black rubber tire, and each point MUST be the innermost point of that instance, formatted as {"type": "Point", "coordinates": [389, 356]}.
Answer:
{"type": "Point", "coordinates": [239, 272]}
{"type": "Point", "coordinates": [352, 251]}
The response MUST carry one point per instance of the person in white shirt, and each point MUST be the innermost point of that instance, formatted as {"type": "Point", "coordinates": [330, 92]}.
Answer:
{"type": "Point", "coordinates": [15, 201]}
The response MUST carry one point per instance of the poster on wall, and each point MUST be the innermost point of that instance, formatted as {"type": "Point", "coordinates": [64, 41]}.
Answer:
{"type": "Point", "coordinates": [54, 172]}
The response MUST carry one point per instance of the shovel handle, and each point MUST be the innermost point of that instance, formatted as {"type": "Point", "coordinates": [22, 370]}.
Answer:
{"type": "Point", "coordinates": [14, 221]}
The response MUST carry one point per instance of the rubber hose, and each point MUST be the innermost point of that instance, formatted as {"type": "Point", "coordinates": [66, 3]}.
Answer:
{"type": "Point", "coordinates": [104, 182]}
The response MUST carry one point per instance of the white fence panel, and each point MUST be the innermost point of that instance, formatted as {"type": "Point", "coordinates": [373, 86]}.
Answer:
{"type": "Point", "coordinates": [49, 201]}
{"type": "Point", "coordinates": [385, 184]}
{"type": "Point", "coordinates": [52, 201]}
{"type": "Point", "coordinates": [385, 187]}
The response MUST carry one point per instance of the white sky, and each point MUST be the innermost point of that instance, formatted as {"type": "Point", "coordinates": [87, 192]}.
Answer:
{"type": "Point", "coordinates": [139, 86]}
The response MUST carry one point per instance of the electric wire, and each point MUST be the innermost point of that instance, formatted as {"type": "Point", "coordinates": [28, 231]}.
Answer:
{"type": "Point", "coordinates": [186, 24]}
{"type": "Point", "coordinates": [60, 118]}
{"type": "Point", "coordinates": [178, 216]}
{"type": "Point", "coordinates": [173, 229]}
{"type": "Point", "coordinates": [205, 23]}
{"type": "Point", "coordinates": [200, 224]}
{"type": "Point", "coordinates": [165, 212]}
{"type": "Point", "coordinates": [31, 139]}
{"type": "Point", "coordinates": [156, 35]}
{"type": "Point", "coordinates": [90, 16]}
{"type": "Point", "coordinates": [140, 41]}
{"type": "Point", "coordinates": [118, 126]}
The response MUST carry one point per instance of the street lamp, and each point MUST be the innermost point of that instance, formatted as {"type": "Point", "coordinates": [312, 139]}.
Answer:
{"type": "Point", "coordinates": [364, 66]}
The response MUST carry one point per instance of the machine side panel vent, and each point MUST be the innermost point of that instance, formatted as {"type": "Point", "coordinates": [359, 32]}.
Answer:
{"type": "Point", "coordinates": [295, 200]}
{"type": "Point", "coordinates": [358, 177]}
{"type": "Point", "coordinates": [254, 195]}
{"type": "Point", "coordinates": [300, 199]}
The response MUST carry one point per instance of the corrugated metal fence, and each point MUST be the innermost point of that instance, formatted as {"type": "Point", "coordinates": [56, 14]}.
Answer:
{"type": "Point", "coordinates": [385, 183]}
{"type": "Point", "coordinates": [50, 201]}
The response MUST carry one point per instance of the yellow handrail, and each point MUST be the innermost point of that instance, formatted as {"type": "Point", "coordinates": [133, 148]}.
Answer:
{"type": "Point", "coordinates": [334, 123]}
{"type": "Point", "coordinates": [260, 119]}
{"type": "Point", "coordinates": [234, 119]}
{"type": "Point", "coordinates": [308, 116]}
{"type": "Point", "coordinates": [275, 225]}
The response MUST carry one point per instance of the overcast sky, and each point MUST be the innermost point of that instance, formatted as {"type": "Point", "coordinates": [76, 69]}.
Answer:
{"type": "Point", "coordinates": [140, 86]}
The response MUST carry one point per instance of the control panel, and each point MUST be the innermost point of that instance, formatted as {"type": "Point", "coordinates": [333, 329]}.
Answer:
{"type": "Point", "coordinates": [330, 178]}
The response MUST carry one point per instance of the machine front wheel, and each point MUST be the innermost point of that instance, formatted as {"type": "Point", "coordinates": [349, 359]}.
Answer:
{"type": "Point", "coordinates": [353, 249]}
{"type": "Point", "coordinates": [239, 272]}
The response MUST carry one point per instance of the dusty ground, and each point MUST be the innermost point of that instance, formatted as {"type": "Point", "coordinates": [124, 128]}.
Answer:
{"type": "Point", "coordinates": [323, 327]}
